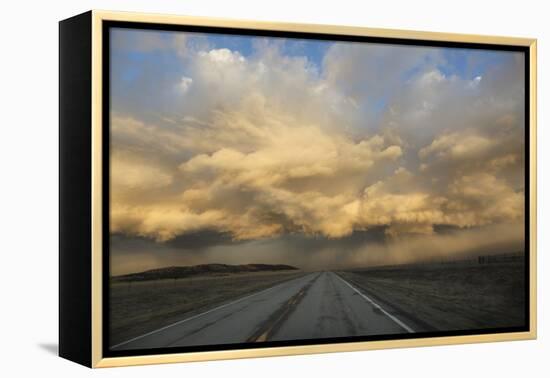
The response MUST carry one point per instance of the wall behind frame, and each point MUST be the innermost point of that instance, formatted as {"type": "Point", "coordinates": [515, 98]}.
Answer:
{"type": "Point", "coordinates": [30, 184]}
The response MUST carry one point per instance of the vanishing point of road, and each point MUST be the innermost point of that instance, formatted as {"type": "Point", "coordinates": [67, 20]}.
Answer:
{"type": "Point", "coordinates": [317, 305]}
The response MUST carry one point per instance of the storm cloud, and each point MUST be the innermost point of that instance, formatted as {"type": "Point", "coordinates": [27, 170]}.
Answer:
{"type": "Point", "coordinates": [271, 146]}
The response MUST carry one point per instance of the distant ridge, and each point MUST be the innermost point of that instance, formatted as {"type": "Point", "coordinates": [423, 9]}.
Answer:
{"type": "Point", "coordinates": [174, 272]}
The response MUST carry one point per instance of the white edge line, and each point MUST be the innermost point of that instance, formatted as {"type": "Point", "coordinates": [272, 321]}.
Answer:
{"type": "Point", "coordinates": [376, 305]}
{"type": "Point", "coordinates": [201, 314]}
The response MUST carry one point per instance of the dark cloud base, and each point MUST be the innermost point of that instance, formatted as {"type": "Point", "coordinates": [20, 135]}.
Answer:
{"type": "Point", "coordinates": [360, 249]}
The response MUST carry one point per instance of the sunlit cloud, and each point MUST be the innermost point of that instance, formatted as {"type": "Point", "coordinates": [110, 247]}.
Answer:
{"type": "Point", "coordinates": [263, 144]}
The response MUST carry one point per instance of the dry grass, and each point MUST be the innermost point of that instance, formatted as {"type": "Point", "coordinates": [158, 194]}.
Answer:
{"type": "Point", "coordinates": [140, 307]}
{"type": "Point", "coordinates": [450, 296]}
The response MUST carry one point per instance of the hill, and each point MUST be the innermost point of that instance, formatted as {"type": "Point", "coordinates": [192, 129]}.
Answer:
{"type": "Point", "coordinates": [175, 272]}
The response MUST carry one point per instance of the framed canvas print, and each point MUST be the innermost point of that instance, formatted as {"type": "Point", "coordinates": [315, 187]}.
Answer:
{"type": "Point", "coordinates": [235, 189]}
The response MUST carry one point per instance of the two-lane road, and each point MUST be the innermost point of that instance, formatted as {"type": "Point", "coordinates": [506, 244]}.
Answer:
{"type": "Point", "coordinates": [317, 305]}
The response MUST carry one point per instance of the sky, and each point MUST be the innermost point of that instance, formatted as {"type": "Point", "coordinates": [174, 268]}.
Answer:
{"type": "Point", "coordinates": [320, 154]}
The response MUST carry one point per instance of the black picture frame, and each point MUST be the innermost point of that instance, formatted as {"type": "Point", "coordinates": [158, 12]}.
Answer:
{"type": "Point", "coordinates": [76, 196]}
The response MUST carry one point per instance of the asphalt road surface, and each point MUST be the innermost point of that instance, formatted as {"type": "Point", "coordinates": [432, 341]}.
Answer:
{"type": "Point", "coordinates": [317, 305]}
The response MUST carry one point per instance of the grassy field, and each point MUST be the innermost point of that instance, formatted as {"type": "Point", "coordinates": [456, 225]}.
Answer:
{"type": "Point", "coordinates": [140, 307]}
{"type": "Point", "coordinates": [451, 296]}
